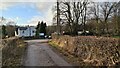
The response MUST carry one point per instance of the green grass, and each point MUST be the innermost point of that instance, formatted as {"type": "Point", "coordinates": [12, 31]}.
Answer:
{"type": "Point", "coordinates": [52, 44]}
{"type": "Point", "coordinates": [116, 36]}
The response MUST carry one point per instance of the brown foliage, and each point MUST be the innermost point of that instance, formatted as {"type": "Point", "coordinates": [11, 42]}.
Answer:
{"type": "Point", "coordinates": [92, 50]}
{"type": "Point", "coordinates": [12, 52]}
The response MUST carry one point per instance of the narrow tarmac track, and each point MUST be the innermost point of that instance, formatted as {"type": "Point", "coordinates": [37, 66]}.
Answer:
{"type": "Point", "coordinates": [40, 54]}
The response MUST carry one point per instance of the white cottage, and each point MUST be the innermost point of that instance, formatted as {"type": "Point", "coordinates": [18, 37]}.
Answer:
{"type": "Point", "coordinates": [25, 31]}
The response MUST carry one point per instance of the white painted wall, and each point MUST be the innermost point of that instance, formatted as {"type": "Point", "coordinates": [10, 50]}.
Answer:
{"type": "Point", "coordinates": [30, 31]}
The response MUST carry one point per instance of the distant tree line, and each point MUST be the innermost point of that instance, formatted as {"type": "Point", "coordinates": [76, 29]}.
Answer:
{"type": "Point", "coordinates": [100, 18]}
{"type": "Point", "coordinates": [41, 28]}
{"type": "Point", "coordinates": [8, 29]}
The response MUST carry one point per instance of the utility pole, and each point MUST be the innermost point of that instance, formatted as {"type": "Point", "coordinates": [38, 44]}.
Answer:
{"type": "Point", "coordinates": [58, 18]}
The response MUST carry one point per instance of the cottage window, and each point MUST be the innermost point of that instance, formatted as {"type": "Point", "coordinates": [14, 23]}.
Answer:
{"type": "Point", "coordinates": [22, 31]}
{"type": "Point", "coordinates": [33, 31]}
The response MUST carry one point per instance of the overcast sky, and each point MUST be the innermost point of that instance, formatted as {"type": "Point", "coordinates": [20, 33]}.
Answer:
{"type": "Point", "coordinates": [29, 12]}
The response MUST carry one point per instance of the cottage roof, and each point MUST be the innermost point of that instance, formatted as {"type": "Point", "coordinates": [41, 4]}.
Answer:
{"type": "Point", "coordinates": [22, 28]}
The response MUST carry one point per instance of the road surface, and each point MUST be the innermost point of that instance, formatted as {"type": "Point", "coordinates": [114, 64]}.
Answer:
{"type": "Point", "coordinates": [39, 53]}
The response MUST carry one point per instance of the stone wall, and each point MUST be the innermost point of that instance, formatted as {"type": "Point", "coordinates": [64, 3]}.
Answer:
{"type": "Point", "coordinates": [91, 49]}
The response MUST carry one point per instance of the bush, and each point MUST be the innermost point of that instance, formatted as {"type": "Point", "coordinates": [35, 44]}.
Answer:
{"type": "Point", "coordinates": [96, 51]}
{"type": "Point", "coordinates": [13, 51]}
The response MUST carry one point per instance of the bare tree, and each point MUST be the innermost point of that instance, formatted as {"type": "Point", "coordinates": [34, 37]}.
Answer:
{"type": "Point", "coordinates": [56, 17]}
{"type": "Point", "coordinates": [95, 12]}
{"type": "Point", "coordinates": [115, 20]}
{"type": "Point", "coordinates": [118, 18]}
{"type": "Point", "coordinates": [2, 20]}
{"type": "Point", "coordinates": [106, 11]}
{"type": "Point", "coordinates": [74, 12]}
{"type": "Point", "coordinates": [84, 15]}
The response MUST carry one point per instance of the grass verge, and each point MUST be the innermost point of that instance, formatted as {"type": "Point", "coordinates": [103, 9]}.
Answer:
{"type": "Point", "coordinates": [71, 59]}
{"type": "Point", "coordinates": [13, 52]}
